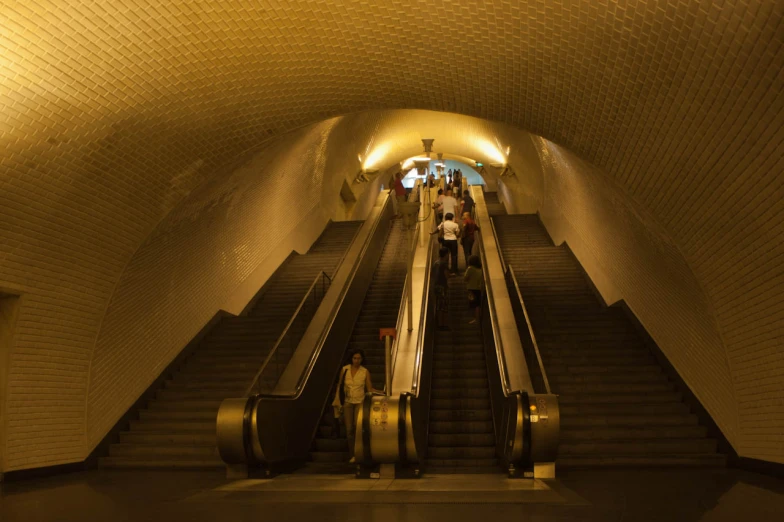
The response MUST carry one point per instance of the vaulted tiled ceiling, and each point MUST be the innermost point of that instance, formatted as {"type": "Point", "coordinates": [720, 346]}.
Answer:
{"type": "Point", "coordinates": [679, 102]}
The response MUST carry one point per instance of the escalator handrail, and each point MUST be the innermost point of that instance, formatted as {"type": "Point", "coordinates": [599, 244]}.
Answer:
{"type": "Point", "coordinates": [530, 328]}
{"type": "Point", "coordinates": [268, 358]}
{"type": "Point", "coordinates": [500, 250]}
{"type": "Point", "coordinates": [319, 345]}
{"type": "Point", "coordinates": [422, 320]}
{"type": "Point", "coordinates": [499, 351]}
{"type": "Point", "coordinates": [401, 307]}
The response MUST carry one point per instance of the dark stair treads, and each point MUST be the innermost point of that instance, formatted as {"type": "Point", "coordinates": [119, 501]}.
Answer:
{"type": "Point", "coordinates": [494, 205]}
{"type": "Point", "coordinates": [461, 438]}
{"type": "Point", "coordinates": [177, 428]}
{"type": "Point", "coordinates": [379, 310]}
{"type": "Point", "coordinates": [618, 408]}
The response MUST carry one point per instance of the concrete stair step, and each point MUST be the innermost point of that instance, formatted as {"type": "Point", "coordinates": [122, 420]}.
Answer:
{"type": "Point", "coordinates": [670, 410]}
{"type": "Point", "coordinates": [692, 460]}
{"type": "Point", "coordinates": [621, 388]}
{"type": "Point", "coordinates": [207, 452]}
{"type": "Point", "coordinates": [584, 433]}
{"type": "Point", "coordinates": [168, 437]}
{"type": "Point", "coordinates": [173, 425]}
{"type": "Point", "coordinates": [637, 447]}
{"type": "Point", "coordinates": [634, 418]}
{"type": "Point", "coordinates": [621, 360]}
{"type": "Point", "coordinates": [159, 464]}
{"type": "Point", "coordinates": [207, 415]}
{"type": "Point", "coordinates": [184, 405]}
{"type": "Point", "coordinates": [606, 378]}
{"type": "Point", "coordinates": [638, 399]}
{"type": "Point", "coordinates": [207, 383]}
{"type": "Point", "coordinates": [216, 393]}
{"type": "Point", "coordinates": [576, 370]}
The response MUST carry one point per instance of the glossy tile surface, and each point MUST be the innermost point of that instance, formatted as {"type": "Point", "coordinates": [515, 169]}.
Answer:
{"type": "Point", "coordinates": [700, 496]}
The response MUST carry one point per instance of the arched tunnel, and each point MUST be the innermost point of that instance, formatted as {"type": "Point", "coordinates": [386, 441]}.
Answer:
{"type": "Point", "coordinates": [160, 160]}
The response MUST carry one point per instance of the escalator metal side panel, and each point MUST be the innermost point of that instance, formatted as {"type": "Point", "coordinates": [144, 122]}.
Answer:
{"type": "Point", "coordinates": [286, 426]}
{"type": "Point", "coordinates": [511, 345]}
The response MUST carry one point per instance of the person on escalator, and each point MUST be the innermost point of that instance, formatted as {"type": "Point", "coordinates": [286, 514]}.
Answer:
{"type": "Point", "coordinates": [354, 384]}
{"type": "Point", "coordinates": [438, 205]}
{"type": "Point", "coordinates": [474, 280]}
{"type": "Point", "coordinates": [467, 235]}
{"type": "Point", "coordinates": [440, 280]}
{"type": "Point", "coordinates": [451, 232]}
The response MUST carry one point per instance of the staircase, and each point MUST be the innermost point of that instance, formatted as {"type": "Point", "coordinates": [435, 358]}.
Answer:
{"type": "Point", "coordinates": [461, 438]}
{"type": "Point", "coordinates": [618, 408]}
{"type": "Point", "coordinates": [176, 430]}
{"type": "Point", "coordinates": [379, 310]}
{"type": "Point", "coordinates": [494, 205]}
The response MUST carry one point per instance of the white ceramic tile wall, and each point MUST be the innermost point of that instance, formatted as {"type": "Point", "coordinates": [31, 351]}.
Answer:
{"type": "Point", "coordinates": [114, 112]}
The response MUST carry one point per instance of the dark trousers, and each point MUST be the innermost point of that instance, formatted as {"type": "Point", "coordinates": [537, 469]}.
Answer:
{"type": "Point", "coordinates": [451, 244]}
{"type": "Point", "coordinates": [468, 246]}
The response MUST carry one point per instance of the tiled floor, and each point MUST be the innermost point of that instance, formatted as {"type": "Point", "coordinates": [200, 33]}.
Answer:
{"type": "Point", "coordinates": [706, 496]}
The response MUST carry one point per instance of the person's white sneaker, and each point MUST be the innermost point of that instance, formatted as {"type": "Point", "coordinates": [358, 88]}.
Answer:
{"type": "Point", "coordinates": [352, 461]}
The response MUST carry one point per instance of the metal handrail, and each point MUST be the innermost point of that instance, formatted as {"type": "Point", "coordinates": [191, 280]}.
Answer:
{"type": "Point", "coordinates": [325, 331]}
{"type": "Point", "coordinates": [500, 250]}
{"type": "Point", "coordinates": [530, 330]}
{"type": "Point", "coordinates": [500, 354]}
{"type": "Point", "coordinates": [274, 349]}
{"type": "Point", "coordinates": [401, 307]}
{"type": "Point", "coordinates": [422, 317]}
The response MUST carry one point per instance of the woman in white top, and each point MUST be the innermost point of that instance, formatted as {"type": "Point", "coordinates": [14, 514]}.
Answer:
{"type": "Point", "coordinates": [354, 382]}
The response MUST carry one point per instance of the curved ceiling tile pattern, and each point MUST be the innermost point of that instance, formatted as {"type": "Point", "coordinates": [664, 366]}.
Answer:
{"type": "Point", "coordinates": [114, 112]}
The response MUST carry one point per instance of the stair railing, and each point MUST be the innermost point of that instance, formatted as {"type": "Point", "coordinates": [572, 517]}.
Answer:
{"type": "Point", "coordinates": [500, 250]}
{"type": "Point", "coordinates": [531, 338]}
{"type": "Point", "coordinates": [278, 357]}
{"type": "Point", "coordinates": [413, 197]}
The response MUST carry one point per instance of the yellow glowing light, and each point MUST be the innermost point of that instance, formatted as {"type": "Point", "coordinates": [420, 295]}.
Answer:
{"type": "Point", "coordinates": [409, 163]}
{"type": "Point", "coordinates": [490, 151]}
{"type": "Point", "coordinates": [376, 156]}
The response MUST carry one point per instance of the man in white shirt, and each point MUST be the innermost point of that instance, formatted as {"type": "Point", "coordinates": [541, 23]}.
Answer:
{"type": "Point", "coordinates": [449, 204]}
{"type": "Point", "coordinates": [451, 233]}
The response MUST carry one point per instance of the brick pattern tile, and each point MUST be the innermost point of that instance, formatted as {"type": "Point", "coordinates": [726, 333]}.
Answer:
{"type": "Point", "coordinates": [114, 113]}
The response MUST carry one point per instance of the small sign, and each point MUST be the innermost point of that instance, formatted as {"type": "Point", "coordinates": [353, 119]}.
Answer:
{"type": "Point", "coordinates": [387, 332]}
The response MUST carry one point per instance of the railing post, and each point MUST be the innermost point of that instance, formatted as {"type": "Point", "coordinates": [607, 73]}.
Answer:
{"type": "Point", "coordinates": [387, 334]}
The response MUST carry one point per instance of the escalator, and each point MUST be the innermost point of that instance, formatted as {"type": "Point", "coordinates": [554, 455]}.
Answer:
{"type": "Point", "coordinates": [461, 437]}
{"type": "Point", "coordinates": [618, 407]}
{"type": "Point", "coordinates": [177, 428]}
{"type": "Point", "coordinates": [379, 310]}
